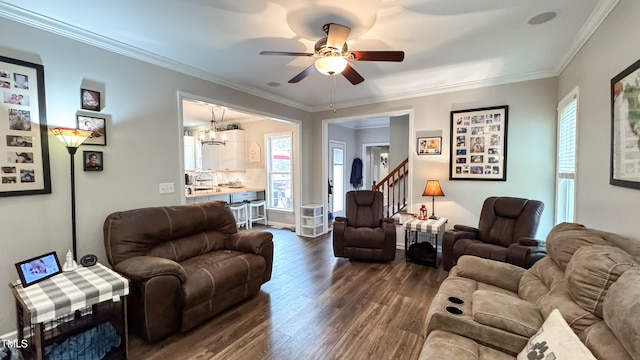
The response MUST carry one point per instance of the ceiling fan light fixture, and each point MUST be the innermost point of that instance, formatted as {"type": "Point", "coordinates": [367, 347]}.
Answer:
{"type": "Point", "coordinates": [331, 65]}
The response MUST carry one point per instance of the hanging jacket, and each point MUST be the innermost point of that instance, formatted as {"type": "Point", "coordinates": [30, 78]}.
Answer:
{"type": "Point", "coordinates": [356, 173]}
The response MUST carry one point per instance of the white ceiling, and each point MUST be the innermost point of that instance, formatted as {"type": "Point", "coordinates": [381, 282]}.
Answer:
{"type": "Point", "coordinates": [448, 44]}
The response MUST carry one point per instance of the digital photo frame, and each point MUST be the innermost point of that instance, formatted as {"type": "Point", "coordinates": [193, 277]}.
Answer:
{"type": "Point", "coordinates": [38, 268]}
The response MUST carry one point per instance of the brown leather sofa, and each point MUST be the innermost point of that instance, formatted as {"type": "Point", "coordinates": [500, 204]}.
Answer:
{"type": "Point", "coordinates": [186, 264]}
{"type": "Point", "coordinates": [505, 233]}
{"type": "Point", "coordinates": [493, 308]}
{"type": "Point", "coordinates": [363, 233]}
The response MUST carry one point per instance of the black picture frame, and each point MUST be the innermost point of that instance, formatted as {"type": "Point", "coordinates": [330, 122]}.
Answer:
{"type": "Point", "coordinates": [479, 144]}
{"type": "Point", "coordinates": [98, 160]}
{"type": "Point", "coordinates": [24, 165]}
{"type": "Point", "coordinates": [625, 128]}
{"type": "Point", "coordinates": [97, 126]}
{"type": "Point", "coordinates": [429, 145]}
{"type": "Point", "coordinates": [90, 100]}
{"type": "Point", "coordinates": [38, 268]}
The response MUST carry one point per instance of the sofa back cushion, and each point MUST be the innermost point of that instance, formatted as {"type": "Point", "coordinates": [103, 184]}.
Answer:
{"type": "Point", "coordinates": [566, 238]}
{"type": "Point", "coordinates": [539, 280]}
{"type": "Point", "coordinates": [174, 232]}
{"type": "Point", "coordinates": [621, 309]}
{"type": "Point", "coordinates": [591, 272]}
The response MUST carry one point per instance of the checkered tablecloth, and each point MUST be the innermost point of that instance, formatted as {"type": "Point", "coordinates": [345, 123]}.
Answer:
{"type": "Point", "coordinates": [70, 291]}
{"type": "Point", "coordinates": [429, 225]}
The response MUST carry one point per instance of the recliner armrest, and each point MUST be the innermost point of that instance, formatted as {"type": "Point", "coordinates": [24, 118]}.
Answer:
{"type": "Point", "coordinates": [527, 241]}
{"type": "Point", "coordinates": [146, 267]}
{"type": "Point", "coordinates": [389, 220]}
{"type": "Point", "coordinates": [249, 241]}
{"type": "Point", "coordinates": [526, 255]}
{"type": "Point", "coordinates": [466, 228]}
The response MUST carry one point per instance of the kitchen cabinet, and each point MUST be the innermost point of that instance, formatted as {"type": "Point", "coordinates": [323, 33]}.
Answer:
{"type": "Point", "coordinates": [189, 153]}
{"type": "Point", "coordinates": [230, 157]}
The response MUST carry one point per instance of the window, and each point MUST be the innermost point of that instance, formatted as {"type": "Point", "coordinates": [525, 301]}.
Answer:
{"type": "Point", "coordinates": [279, 171]}
{"type": "Point", "coordinates": [566, 158]}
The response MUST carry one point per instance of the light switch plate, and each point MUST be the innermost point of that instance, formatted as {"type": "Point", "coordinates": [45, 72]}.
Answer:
{"type": "Point", "coordinates": [167, 188]}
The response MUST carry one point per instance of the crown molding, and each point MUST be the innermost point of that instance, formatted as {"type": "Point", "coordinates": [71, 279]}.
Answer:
{"type": "Point", "coordinates": [602, 10]}
{"type": "Point", "coordinates": [87, 37]}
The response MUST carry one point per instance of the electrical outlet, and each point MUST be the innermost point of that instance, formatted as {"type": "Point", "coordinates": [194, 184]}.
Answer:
{"type": "Point", "coordinates": [167, 188]}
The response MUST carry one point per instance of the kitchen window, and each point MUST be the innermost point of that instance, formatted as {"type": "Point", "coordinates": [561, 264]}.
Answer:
{"type": "Point", "coordinates": [279, 174]}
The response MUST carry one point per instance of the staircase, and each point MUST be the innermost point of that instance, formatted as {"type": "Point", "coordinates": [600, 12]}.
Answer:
{"type": "Point", "coordinates": [394, 188]}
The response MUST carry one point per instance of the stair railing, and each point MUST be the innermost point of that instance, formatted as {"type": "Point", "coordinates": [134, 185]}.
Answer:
{"type": "Point", "coordinates": [394, 188]}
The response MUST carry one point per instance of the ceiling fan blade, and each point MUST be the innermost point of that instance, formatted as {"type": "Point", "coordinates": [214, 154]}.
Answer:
{"type": "Point", "coordinates": [352, 75]}
{"type": "Point", "coordinates": [285, 53]}
{"type": "Point", "coordinates": [306, 72]}
{"type": "Point", "coordinates": [396, 56]}
{"type": "Point", "coordinates": [337, 35]}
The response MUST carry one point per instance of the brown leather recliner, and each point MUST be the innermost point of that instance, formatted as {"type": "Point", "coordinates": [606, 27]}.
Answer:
{"type": "Point", "coordinates": [185, 263]}
{"type": "Point", "coordinates": [363, 233]}
{"type": "Point", "coordinates": [505, 233]}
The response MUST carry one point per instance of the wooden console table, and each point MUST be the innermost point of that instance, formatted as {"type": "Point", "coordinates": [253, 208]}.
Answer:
{"type": "Point", "coordinates": [68, 304]}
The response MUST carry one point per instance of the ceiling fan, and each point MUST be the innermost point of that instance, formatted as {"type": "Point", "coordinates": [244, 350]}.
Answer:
{"type": "Point", "coordinates": [332, 55]}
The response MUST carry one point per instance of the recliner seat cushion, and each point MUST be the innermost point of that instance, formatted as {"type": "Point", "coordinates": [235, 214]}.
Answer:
{"type": "Point", "coordinates": [372, 238]}
{"type": "Point", "coordinates": [481, 249]}
{"type": "Point", "coordinates": [217, 272]}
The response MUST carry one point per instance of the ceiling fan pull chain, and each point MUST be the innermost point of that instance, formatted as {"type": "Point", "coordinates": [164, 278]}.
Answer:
{"type": "Point", "coordinates": [332, 94]}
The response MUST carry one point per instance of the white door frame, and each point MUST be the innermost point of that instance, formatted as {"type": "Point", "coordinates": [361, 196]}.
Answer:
{"type": "Point", "coordinates": [341, 145]}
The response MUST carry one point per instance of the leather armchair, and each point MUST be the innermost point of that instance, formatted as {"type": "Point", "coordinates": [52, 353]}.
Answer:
{"type": "Point", "coordinates": [505, 233]}
{"type": "Point", "coordinates": [363, 233]}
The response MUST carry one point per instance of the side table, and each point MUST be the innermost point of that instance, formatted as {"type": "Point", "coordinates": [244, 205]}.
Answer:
{"type": "Point", "coordinates": [73, 303]}
{"type": "Point", "coordinates": [417, 245]}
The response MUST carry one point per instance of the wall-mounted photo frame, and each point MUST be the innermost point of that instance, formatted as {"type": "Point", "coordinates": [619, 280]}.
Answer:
{"type": "Point", "coordinates": [479, 144]}
{"type": "Point", "coordinates": [625, 128]}
{"type": "Point", "coordinates": [93, 160]}
{"type": "Point", "coordinates": [429, 145]}
{"type": "Point", "coordinates": [24, 146]}
{"type": "Point", "coordinates": [97, 126]}
{"type": "Point", "coordinates": [90, 99]}
{"type": "Point", "coordinates": [38, 268]}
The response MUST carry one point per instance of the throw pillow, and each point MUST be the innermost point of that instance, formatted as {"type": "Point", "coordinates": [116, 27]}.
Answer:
{"type": "Point", "coordinates": [555, 340]}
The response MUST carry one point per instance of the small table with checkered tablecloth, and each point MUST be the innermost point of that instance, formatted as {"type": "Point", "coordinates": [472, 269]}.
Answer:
{"type": "Point", "coordinates": [68, 303]}
{"type": "Point", "coordinates": [421, 240]}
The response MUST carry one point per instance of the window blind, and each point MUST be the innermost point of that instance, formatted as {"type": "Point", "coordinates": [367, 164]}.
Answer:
{"type": "Point", "coordinates": [567, 141]}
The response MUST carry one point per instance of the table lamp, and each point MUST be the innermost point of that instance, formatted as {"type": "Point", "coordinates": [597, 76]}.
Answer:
{"type": "Point", "coordinates": [433, 189]}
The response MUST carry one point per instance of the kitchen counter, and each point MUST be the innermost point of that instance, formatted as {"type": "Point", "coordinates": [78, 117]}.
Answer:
{"type": "Point", "coordinates": [223, 191]}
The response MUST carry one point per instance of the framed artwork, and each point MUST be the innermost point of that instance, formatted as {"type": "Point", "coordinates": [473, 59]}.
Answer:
{"type": "Point", "coordinates": [24, 148]}
{"type": "Point", "coordinates": [479, 144]}
{"type": "Point", "coordinates": [98, 129]}
{"type": "Point", "coordinates": [38, 268]}
{"type": "Point", "coordinates": [90, 99]}
{"type": "Point", "coordinates": [430, 145]}
{"type": "Point", "coordinates": [93, 160]}
{"type": "Point", "coordinates": [625, 128]}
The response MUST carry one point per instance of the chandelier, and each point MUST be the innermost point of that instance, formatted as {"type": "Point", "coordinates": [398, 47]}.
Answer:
{"type": "Point", "coordinates": [210, 136]}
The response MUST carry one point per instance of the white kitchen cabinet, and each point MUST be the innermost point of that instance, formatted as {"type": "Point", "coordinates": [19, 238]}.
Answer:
{"type": "Point", "coordinates": [189, 153]}
{"type": "Point", "coordinates": [229, 157]}
{"type": "Point", "coordinates": [210, 156]}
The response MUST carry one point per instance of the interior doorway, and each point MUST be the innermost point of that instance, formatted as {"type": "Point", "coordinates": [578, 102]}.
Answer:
{"type": "Point", "coordinates": [337, 178]}
{"type": "Point", "coordinates": [376, 162]}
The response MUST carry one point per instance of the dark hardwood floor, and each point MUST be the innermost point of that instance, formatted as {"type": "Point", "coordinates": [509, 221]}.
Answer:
{"type": "Point", "coordinates": [316, 306]}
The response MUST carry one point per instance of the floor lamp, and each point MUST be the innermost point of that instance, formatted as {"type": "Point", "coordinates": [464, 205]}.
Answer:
{"type": "Point", "coordinates": [72, 139]}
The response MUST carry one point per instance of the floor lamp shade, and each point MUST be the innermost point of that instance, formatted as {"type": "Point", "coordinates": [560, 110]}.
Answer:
{"type": "Point", "coordinates": [433, 189]}
{"type": "Point", "coordinates": [72, 139]}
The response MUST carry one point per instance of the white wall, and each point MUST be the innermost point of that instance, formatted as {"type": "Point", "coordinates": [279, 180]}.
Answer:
{"type": "Point", "coordinates": [610, 50]}
{"type": "Point", "coordinates": [142, 150]}
{"type": "Point", "coordinates": [399, 138]}
{"type": "Point", "coordinates": [531, 147]}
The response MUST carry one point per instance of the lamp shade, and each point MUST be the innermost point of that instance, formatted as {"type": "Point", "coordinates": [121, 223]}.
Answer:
{"type": "Point", "coordinates": [433, 188]}
{"type": "Point", "coordinates": [71, 138]}
{"type": "Point", "coordinates": [331, 65]}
